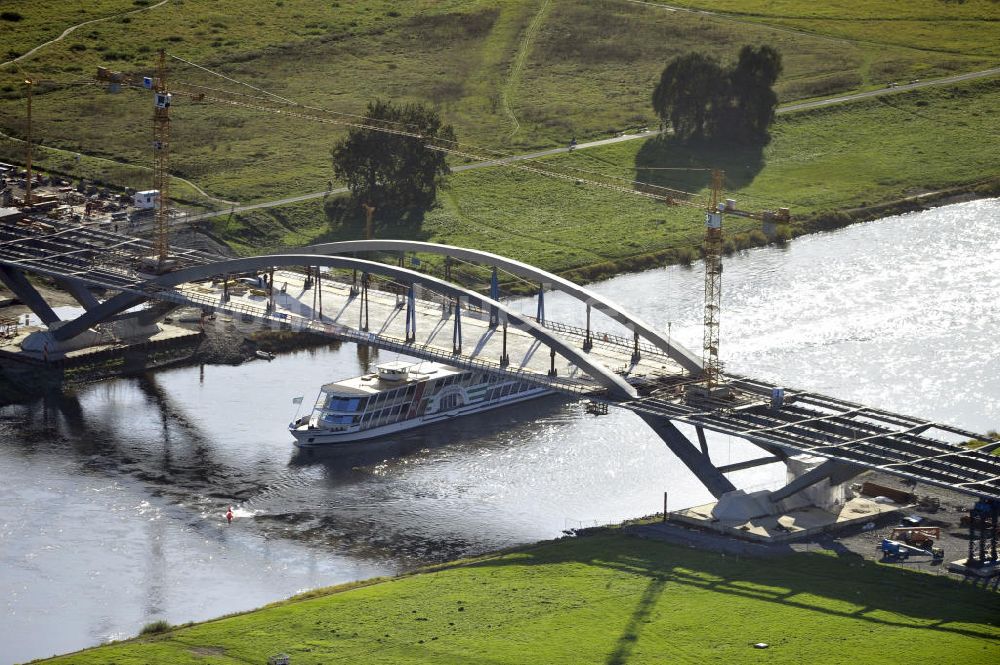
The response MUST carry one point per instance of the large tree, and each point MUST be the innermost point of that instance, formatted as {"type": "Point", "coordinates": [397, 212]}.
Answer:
{"type": "Point", "coordinates": [698, 98]}
{"type": "Point", "coordinates": [751, 82]}
{"type": "Point", "coordinates": [685, 95]}
{"type": "Point", "coordinates": [392, 161]}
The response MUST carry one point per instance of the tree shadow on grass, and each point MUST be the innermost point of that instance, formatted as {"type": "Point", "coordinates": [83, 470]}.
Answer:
{"type": "Point", "coordinates": [864, 591]}
{"type": "Point", "coordinates": [658, 156]}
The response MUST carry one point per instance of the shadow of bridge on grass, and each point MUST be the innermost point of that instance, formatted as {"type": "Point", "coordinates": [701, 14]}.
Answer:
{"type": "Point", "coordinates": [835, 585]}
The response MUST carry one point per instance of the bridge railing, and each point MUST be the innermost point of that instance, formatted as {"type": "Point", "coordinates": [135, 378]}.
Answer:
{"type": "Point", "coordinates": [599, 338]}
{"type": "Point", "coordinates": [389, 343]}
{"type": "Point", "coordinates": [603, 339]}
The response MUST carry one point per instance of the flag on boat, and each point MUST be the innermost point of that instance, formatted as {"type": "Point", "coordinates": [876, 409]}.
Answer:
{"type": "Point", "coordinates": [297, 400]}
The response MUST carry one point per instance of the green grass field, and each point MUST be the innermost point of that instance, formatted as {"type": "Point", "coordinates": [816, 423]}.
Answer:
{"type": "Point", "coordinates": [509, 75]}
{"type": "Point", "coordinates": [967, 27]}
{"type": "Point", "coordinates": [607, 599]}
{"type": "Point", "coordinates": [836, 158]}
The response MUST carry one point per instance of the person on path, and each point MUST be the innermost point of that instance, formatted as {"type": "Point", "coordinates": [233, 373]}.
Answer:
{"type": "Point", "coordinates": [229, 515]}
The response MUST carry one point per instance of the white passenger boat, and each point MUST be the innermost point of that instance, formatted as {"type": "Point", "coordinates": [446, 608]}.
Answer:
{"type": "Point", "coordinates": [401, 396]}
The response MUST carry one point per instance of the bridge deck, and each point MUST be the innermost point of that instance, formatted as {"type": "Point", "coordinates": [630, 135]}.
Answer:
{"type": "Point", "coordinates": [806, 423]}
{"type": "Point", "coordinates": [815, 424]}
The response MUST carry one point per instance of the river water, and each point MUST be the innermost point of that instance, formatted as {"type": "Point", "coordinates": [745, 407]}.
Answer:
{"type": "Point", "coordinates": [113, 495]}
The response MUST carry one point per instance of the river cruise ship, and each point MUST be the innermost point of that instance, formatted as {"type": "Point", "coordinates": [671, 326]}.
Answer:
{"type": "Point", "coordinates": [400, 396]}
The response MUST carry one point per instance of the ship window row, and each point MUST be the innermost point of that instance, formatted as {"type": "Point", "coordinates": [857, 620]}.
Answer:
{"type": "Point", "coordinates": [464, 379]}
{"type": "Point", "coordinates": [340, 420]}
{"type": "Point", "coordinates": [342, 404]}
{"type": "Point", "coordinates": [384, 416]}
{"type": "Point", "coordinates": [506, 389]}
{"type": "Point", "coordinates": [392, 396]}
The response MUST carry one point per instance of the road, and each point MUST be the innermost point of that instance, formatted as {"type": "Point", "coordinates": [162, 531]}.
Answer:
{"type": "Point", "coordinates": [947, 80]}
{"type": "Point", "coordinates": [788, 108]}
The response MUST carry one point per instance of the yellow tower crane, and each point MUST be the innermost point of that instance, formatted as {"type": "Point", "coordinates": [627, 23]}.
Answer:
{"type": "Point", "coordinates": [161, 159]}
{"type": "Point", "coordinates": [161, 146]}
{"type": "Point", "coordinates": [712, 372]}
{"type": "Point", "coordinates": [713, 285]}
{"type": "Point", "coordinates": [30, 82]}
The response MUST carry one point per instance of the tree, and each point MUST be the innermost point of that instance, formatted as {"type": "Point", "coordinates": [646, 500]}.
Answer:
{"type": "Point", "coordinates": [387, 169]}
{"type": "Point", "coordinates": [751, 82]}
{"type": "Point", "coordinates": [685, 94]}
{"type": "Point", "coordinates": [700, 99]}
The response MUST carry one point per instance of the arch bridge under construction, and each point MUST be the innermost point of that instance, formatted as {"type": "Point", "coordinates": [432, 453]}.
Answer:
{"type": "Point", "coordinates": [348, 291]}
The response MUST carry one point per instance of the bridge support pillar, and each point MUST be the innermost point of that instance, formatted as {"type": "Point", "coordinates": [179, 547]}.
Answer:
{"type": "Point", "coordinates": [700, 431]}
{"type": "Point", "coordinates": [15, 280]}
{"type": "Point", "coordinates": [504, 358]}
{"type": "Point", "coordinates": [363, 313]}
{"type": "Point", "coordinates": [270, 290]}
{"type": "Point", "coordinates": [541, 304]}
{"type": "Point", "coordinates": [319, 291]}
{"type": "Point", "coordinates": [494, 295]}
{"type": "Point", "coordinates": [79, 293]}
{"type": "Point", "coordinates": [456, 335]}
{"type": "Point", "coordinates": [411, 315]}
{"type": "Point", "coordinates": [832, 470]}
{"type": "Point", "coordinates": [99, 314]}
{"type": "Point", "coordinates": [698, 463]}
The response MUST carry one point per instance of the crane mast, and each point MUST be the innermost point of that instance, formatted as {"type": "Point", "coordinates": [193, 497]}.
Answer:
{"type": "Point", "coordinates": [161, 159]}
{"type": "Point", "coordinates": [713, 284]}
{"type": "Point", "coordinates": [30, 82]}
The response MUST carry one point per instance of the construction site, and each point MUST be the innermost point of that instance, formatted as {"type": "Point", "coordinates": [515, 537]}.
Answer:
{"type": "Point", "coordinates": [95, 243]}
{"type": "Point", "coordinates": [148, 339]}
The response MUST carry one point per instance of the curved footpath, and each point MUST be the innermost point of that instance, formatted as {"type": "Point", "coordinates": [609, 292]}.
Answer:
{"type": "Point", "coordinates": [72, 28]}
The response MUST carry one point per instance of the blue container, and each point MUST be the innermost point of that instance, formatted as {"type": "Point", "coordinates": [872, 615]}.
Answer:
{"type": "Point", "coordinates": [777, 397]}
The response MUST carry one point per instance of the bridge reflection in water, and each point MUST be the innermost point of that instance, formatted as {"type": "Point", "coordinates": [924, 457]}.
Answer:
{"type": "Point", "coordinates": [437, 318]}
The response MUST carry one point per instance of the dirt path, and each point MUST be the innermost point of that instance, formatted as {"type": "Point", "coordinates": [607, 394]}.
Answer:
{"type": "Point", "coordinates": [79, 25]}
{"type": "Point", "coordinates": [515, 71]}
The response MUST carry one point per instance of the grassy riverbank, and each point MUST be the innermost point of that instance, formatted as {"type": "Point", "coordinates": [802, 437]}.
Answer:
{"type": "Point", "coordinates": [966, 27]}
{"type": "Point", "coordinates": [510, 75]}
{"type": "Point", "coordinates": [830, 166]}
{"type": "Point", "coordinates": [604, 599]}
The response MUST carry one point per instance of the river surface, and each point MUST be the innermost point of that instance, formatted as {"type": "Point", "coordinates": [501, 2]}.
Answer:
{"type": "Point", "coordinates": [113, 495]}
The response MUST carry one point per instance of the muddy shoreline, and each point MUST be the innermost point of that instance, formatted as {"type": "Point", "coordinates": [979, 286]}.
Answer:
{"type": "Point", "coordinates": [221, 343]}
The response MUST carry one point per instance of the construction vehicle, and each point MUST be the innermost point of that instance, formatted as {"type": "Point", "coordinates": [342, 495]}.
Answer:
{"type": "Point", "coordinates": [923, 537]}
{"type": "Point", "coordinates": [894, 550]}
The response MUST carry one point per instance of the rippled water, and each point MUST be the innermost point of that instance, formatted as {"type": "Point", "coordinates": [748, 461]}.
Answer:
{"type": "Point", "coordinates": [112, 509]}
